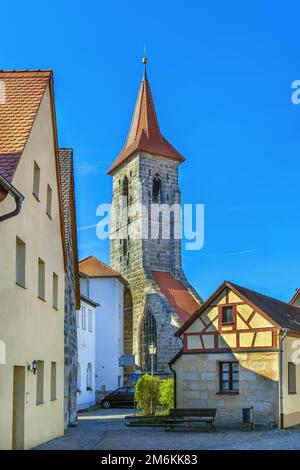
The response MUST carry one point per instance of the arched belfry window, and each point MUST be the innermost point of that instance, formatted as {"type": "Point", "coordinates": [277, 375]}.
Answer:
{"type": "Point", "coordinates": [125, 186]}
{"type": "Point", "coordinates": [148, 336]}
{"type": "Point", "coordinates": [156, 188]}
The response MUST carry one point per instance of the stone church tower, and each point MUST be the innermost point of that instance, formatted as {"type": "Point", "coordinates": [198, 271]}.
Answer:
{"type": "Point", "coordinates": [159, 298]}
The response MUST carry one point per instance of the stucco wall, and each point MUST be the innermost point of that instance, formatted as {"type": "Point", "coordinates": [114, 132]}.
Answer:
{"type": "Point", "coordinates": [32, 328]}
{"type": "Point", "coordinates": [109, 293]}
{"type": "Point", "coordinates": [86, 355]}
{"type": "Point", "coordinates": [197, 385]}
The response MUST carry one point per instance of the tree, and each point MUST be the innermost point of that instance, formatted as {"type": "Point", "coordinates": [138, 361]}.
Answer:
{"type": "Point", "coordinates": [147, 392]}
{"type": "Point", "coordinates": [166, 398]}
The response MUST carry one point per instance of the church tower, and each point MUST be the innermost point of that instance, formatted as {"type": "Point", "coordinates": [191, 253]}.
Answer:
{"type": "Point", "coordinates": [159, 298]}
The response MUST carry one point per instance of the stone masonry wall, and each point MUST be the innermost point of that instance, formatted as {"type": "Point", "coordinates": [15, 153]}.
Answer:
{"type": "Point", "coordinates": [71, 355]}
{"type": "Point", "coordinates": [197, 385]}
{"type": "Point", "coordinates": [140, 257]}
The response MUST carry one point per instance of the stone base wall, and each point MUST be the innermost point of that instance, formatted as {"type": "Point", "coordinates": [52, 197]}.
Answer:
{"type": "Point", "coordinates": [197, 386]}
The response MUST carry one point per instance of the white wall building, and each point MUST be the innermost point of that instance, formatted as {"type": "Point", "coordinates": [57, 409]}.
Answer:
{"type": "Point", "coordinates": [106, 287]}
{"type": "Point", "coordinates": [86, 392]}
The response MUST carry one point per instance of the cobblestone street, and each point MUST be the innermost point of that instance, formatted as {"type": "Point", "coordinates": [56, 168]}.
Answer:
{"type": "Point", "coordinates": [105, 430]}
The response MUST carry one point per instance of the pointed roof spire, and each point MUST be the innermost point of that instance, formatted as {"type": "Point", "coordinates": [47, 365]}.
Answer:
{"type": "Point", "coordinates": [144, 133]}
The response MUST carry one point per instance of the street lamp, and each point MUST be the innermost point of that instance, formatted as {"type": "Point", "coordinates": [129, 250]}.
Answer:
{"type": "Point", "coordinates": [33, 367]}
{"type": "Point", "coordinates": [152, 352]}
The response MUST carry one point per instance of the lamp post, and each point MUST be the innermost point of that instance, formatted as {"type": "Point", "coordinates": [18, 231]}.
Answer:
{"type": "Point", "coordinates": [152, 352]}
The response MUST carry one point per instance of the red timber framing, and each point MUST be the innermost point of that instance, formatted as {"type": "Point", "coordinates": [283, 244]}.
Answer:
{"type": "Point", "coordinates": [223, 331]}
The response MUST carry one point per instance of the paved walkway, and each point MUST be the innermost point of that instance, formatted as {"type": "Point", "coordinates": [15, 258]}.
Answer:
{"type": "Point", "coordinates": [105, 430]}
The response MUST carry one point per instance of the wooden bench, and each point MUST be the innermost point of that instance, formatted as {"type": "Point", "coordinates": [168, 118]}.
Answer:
{"type": "Point", "coordinates": [188, 416]}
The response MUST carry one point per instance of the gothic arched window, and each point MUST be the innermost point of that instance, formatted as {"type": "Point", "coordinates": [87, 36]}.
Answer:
{"type": "Point", "coordinates": [148, 336]}
{"type": "Point", "coordinates": [156, 188]}
{"type": "Point", "coordinates": [125, 186]}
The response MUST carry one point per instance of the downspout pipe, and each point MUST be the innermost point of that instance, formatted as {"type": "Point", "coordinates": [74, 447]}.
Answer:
{"type": "Point", "coordinates": [175, 384]}
{"type": "Point", "coordinates": [18, 197]}
{"type": "Point", "coordinates": [282, 336]}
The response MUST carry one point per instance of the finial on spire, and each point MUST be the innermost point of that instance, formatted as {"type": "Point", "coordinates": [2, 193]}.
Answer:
{"type": "Point", "coordinates": [145, 61]}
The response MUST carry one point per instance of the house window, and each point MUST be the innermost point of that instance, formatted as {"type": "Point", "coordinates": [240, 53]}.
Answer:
{"type": "Point", "coordinates": [55, 291]}
{"type": "Point", "coordinates": [229, 377]}
{"type": "Point", "coordinates": [83, 323]}
{"type": "Point", "coordinates": [89, 377]}
{"type": "Point", "coordinates": [49, 201]}
{"type": "Point", "coordinates": [53, 381]}
{"type": "Point", "coordinates": [20, 262]}
{"type": "Point", "coordinates": [292, 378]}
{"type": "Point", "coordinates": [77, 318]}
{"type": "Point", "coordinates": [226, 315]}
{"type": "Point", "coordinates": [90, 320]}
{"type": "Point", "coordinates": [41, 279]}
{"type": "Point", "coordinates": [36, 181]}
{"type": "Point", "coordinates": [40, 383]}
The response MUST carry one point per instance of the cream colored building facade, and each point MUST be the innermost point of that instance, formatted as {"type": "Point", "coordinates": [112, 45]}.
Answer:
{"type": "Point", "coordinates": [31, 291]}
{"type": "Point", "coordinates": [240, 350]}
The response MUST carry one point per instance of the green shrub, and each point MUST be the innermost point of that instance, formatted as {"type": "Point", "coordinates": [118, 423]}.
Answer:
{"type": "Point", "coordinates": [166, 394]}
{"type": "Point", "coordinates": [147, 392]}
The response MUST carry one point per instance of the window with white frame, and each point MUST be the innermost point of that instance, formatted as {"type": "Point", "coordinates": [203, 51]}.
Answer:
{"type": "Point", "coordinates": [77, 318]}
{"type": "Point", "coordinates": [90, 320]}
{"type": "Point", "coordinates": [83, 319]}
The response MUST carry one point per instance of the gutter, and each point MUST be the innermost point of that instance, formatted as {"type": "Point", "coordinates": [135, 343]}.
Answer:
{"type": "Point", "coordinates": [18, 197]}
{"type": "Point", "coordinates": [282, 337]}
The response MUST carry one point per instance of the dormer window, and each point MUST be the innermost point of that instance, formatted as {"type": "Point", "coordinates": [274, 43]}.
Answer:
{"type": "Point", "coordinates": [227, 315]}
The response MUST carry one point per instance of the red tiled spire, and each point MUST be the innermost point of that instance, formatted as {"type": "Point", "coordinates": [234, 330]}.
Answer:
{"type": "Point", "coordinates": [144, 133]}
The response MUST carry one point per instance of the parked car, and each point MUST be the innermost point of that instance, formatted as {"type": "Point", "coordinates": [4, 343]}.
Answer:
{"type": "Point", "coordinates": [123, 397]}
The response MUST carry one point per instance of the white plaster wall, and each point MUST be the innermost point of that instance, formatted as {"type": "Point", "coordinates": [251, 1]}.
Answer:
{"type": "Point", "coordinates": [86, 355]}
{"type": "Point", "coordinates": [109, 293]}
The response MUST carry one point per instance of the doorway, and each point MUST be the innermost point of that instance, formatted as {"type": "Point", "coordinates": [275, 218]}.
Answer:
{"type": "Point", "coordinates": [18, 440]}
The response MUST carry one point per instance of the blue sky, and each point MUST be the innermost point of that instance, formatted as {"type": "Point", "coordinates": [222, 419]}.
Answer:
{"type": "Point", "coordinates": [221, 75]}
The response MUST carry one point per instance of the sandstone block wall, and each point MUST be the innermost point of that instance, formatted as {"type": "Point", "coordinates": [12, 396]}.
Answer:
{"type": "Point", "coordinates": [197, 385]}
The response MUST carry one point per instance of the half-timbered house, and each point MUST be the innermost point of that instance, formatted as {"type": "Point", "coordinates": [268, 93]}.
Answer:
{"type": "Point", "coordinates": [241, 349]}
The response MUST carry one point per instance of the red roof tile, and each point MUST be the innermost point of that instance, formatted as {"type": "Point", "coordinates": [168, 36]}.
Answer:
{"type": "Point", "coordinates": [144, 133]}
{"type": "Point", "coordinates": [93, 267]}
{"type": "Point", "coordinates": [21, 95]}
{"type": "Point", "coordinates": [177, 294]}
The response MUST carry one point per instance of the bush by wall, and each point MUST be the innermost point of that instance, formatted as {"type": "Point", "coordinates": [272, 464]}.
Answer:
{"type": "Point", "coordinates": [166, 394]}
{"type": "Point", "coordinates": [147, 394]}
